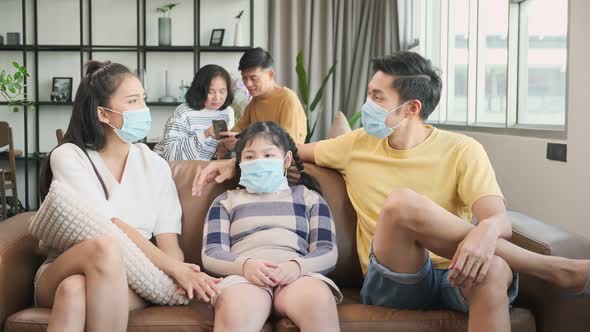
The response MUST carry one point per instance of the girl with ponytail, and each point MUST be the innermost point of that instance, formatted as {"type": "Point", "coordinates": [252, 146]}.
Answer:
{"type": "Point", "coordinates": [272, 243]}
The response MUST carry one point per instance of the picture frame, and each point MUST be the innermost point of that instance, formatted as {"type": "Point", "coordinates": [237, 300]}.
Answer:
{"type": "Point", "coordinates": [61, 89]}
{"type": "Point", "coordinates": [217, 37]}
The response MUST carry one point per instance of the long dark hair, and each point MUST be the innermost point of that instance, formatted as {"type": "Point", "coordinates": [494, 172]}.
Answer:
{"type": "Point", "coordinates": [196, 96]}
{"type": "Point", "coordinates": [277, 136]}
{"type": "Point", "coordinates": [100, 81]}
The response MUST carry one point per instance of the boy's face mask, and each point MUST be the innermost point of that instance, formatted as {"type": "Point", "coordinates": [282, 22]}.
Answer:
{"type": "Point", "coordinates": [263, 176]}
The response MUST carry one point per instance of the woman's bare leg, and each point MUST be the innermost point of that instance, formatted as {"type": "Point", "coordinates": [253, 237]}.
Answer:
{"type": "Point", "coordinates": [69, 305]}
{"type": "Point", "coordinates": [100, 263]}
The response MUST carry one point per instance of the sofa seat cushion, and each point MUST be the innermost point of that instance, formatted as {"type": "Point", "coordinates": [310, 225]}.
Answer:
{"type": "Point", "coordinates": [355, 316]}
{"type": "Point", "coordinates": [194, 317]}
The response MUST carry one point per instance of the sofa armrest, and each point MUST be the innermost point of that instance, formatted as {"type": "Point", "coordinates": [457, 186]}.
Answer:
{"type": "Point", "coordinates": [554, 309]}
{"type": "Point", "coordinates": [19, 260]}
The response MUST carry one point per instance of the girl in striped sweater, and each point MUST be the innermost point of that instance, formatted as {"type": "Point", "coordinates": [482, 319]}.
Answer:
{"type": "Point", "coordinates": [189, 134]}
{"type": "Point", "coordinates": [272, 243]}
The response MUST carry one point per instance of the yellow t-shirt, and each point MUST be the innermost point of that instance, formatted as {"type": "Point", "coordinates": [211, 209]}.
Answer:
{"type": "Point", "coordinates": [453, 170]}
{"type": "Point", "coordinates": [283, 108]}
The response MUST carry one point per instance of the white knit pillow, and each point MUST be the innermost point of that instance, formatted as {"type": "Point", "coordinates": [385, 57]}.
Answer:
{"type": "Point", "coordinates": [63, 221]}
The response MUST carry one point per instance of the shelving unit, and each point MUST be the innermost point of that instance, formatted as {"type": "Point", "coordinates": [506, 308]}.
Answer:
{"type": "Point", "coordinates": [87, 50]}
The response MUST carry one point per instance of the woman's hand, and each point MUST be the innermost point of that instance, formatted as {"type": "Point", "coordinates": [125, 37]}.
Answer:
{"type": "Point", "coordinates": [287, 272]}
{"type": "Point", "coordinates": [192, 280]}
{"type": "Point", "coordinates": [260, 272]}
{"type": "Point", "coordinates": [210, 132]}
{"type": "Point", "coordinates": [216, 171]}
{"type": "Point", "coordinates": [229, 140]}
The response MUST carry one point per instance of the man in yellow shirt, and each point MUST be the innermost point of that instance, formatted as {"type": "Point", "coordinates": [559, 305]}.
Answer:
{"type": "Point", "coordinates": [270, 102]}
{"type": "Point", "coordinates": [414, 189]}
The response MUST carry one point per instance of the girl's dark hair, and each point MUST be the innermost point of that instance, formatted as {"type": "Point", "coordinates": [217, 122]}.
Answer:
{"type": "Point", "coordinates": [277, 136]}
{"type": "Point", "coordinates": [196, 95]}
{"type": "Point", "coordinates": [100, 81]}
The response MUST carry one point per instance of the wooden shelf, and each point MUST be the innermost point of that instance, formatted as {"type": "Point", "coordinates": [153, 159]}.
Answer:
{"type": "Point", "coordinates": [122, 48]}
{"type": "Point", "coordinates": [12, 47]}
{"type": "Point", "coordinates": [30, 55]}
{"type": "Point", "coordinates": [56, 103]}
{"type": "Point", "coordinates": [168, 48]}
{"type": "Point", "coordinates": [224, 48]}
{"type": "Point", "coordinates": [157, 103]}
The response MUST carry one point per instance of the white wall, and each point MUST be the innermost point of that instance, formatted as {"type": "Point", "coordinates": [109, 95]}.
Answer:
{"type": "Point", "coordinates": [114, 23]}
{"type": "Point", "coordinates": [555, 192]}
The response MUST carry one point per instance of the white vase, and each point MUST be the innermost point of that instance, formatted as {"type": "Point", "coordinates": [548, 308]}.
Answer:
{"type": "Point", "coordinates": [238, 34]}
{"type": "Point", "coordinates": [164, 31]}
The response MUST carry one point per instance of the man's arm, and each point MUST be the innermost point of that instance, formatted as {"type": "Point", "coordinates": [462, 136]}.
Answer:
{"type": "Point", "coordinates": [307, 152]}
{"type": "Point", "coordinates": [491, 211]}
{"type": "Point", "coordinates": [478, 188]}
{"type": "Point", "coordinates": [472, 259]}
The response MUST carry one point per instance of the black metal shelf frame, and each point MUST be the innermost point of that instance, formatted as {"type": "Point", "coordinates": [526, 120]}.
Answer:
{"type": "Point", "coordinates": [141, 49]}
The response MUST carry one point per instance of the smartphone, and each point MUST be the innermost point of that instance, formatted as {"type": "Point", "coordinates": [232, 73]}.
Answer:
{"type": "Point", "coordinates": [219, 126]}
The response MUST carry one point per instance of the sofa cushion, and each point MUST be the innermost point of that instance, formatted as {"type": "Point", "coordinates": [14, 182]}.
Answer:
{"type": "Point", "coordinates": [340, 126]}
{"type": "Point", "coordinates": [194, 209]}
{"type": "Point", "coordinates": [194, 317]}
{"type": "Point", "coordinates": [353, 317]}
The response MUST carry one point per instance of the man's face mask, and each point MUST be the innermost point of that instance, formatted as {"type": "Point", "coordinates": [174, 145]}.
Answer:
{"type": "Point", "coordinates": [373, 119]}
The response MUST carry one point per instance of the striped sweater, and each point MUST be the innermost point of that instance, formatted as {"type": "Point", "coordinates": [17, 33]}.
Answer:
{"type": "Point", "coordinates": [291, 224]}
{"type": "Point", "coordinates": [183, 135]}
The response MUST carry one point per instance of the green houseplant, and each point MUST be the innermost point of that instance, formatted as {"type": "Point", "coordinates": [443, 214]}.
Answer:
{"type": "Point", "coordinates": [12, 85]}
{"type": "Point", "coordinates": [308, 107]}
{"type": "Point", "coordinates": [311, 107]}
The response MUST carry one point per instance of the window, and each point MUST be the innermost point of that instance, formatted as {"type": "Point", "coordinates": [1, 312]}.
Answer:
{"type": "Point", "coordinates": [458, 60]}
{"type": "Point", "coordinates": [542, 67]}
{"type": "Point", "coordinates": [504, 63]}
{"type": "Point", "coordinates": [492, 62]}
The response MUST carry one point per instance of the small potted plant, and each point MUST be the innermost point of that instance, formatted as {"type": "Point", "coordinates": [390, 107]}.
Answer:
{"type": "Point", "coordinates": [11, 87]}
{"type": "Point", "coordinates": [165, 24]}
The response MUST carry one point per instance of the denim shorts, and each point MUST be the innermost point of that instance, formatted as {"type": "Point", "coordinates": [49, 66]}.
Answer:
{"type": "Point", "coordinates": [427, 289]}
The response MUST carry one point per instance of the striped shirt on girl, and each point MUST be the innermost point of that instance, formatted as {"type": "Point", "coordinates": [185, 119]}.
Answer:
{"type": "Point", "coordinates": [293, 224]}
{"type": "Point", "coordinates": [183, 135]}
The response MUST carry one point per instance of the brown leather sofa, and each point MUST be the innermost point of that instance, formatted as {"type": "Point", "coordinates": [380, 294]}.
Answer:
{"type": "Point", "coordinates": [540, 307]}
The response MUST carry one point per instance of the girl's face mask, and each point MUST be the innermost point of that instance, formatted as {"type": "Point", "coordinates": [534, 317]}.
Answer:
{"type": "Point", "coordinates": [264, 175]}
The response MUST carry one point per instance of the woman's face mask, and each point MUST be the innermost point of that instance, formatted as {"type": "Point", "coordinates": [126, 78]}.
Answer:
{"type": "Point", "coordinates": [136, 124]}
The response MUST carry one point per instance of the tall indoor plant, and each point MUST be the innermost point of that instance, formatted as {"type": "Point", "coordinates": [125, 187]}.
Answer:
{"type": "Point", "coordinates": [304, 90]}
{"type": "Point", "coordinates": [11, 87]}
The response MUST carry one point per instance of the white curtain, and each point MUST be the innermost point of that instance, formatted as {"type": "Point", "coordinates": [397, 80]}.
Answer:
{"type": "Point", "coordinates": [346, 32]}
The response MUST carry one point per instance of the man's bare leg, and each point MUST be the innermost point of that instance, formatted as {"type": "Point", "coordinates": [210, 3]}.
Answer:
{"type": "Point", "coordinates": [412, 222]}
